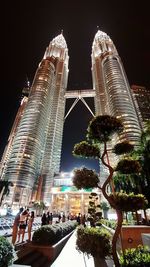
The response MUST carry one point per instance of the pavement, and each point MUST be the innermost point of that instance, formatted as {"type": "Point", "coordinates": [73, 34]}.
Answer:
{"type": "Point", "coordinates": [71, 257]}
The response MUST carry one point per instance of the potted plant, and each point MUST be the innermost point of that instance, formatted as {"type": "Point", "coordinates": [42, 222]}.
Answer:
{"type": "Point", "coordinates": [6, 252]}
{"type": "Point", "coordinates": [94, 242]}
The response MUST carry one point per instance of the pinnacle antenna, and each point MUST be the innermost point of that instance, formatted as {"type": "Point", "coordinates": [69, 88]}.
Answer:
{"type": "Point", "coordinates": [62, 31]}
{"type": "Point", "coordinates": [98, 27]}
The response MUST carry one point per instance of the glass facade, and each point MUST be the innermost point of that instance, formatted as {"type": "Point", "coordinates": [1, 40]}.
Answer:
{"type": "Point", "coordinates": [113, 93]}
{"type": "Point", "coordinates": [33, 154]}
{"type": "Point", "coordinates": [35, 150]}
{"type": "Point", "coordinates": [142, 100]}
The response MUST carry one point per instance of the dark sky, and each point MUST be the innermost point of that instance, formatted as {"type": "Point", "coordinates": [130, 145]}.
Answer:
{"type": "Point", "coordinates": [28, 26]}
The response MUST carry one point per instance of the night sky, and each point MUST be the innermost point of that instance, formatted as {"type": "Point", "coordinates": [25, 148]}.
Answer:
{"type": "Point", "coordinates": [27, 27]}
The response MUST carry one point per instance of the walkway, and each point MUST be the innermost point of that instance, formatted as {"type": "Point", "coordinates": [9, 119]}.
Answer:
{"type": "Point", "coordinates": [70, 257]}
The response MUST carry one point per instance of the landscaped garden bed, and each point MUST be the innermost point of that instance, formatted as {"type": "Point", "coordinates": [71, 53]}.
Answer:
{"type": "Point", "coordinates": [49, 240]}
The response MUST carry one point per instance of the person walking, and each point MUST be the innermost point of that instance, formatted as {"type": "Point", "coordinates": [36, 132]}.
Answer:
{"type": "Point", "coordinates": [30, 223]}
{"type": "Point", "coordinates": [44, 219]}
{"type": "Point", "coordinates": [78, 218]}
{"type": "Point", "coordinates": [48, 218]}
{"type": "Point", "coordinates": [15, 226]}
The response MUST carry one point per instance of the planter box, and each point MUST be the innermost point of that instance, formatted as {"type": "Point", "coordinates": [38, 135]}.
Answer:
{"type": "Point", "coordinates": [51, 252]}
{"type": "Point", "coordinates": [131, 235]}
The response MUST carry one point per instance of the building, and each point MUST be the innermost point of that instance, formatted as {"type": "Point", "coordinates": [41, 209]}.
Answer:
{"type": "Point", "coordinates": [36, 147]}
{"type": "Point", "coordinates": [34, 152]}
{"type": "Point", "coordinates": [66, 198]}
{"type": "Point", "coordinates": [8, 148]}
{"type": "Point", "coordinates": [112, 89]}
{"type": "Point", "coordinates": [142, 100]}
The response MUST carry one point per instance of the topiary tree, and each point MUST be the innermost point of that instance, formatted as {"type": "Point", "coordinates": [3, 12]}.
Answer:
{"type": "Point", "coordinates": [100, 131]}
{"type": "Point", "coordinates": [94, 213]}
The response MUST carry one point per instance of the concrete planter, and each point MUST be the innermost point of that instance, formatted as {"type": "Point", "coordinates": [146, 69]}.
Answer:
{"type": "Point", "coordinates": [51, 252]}
{"type": "Point", "coordinates": [131, 235]}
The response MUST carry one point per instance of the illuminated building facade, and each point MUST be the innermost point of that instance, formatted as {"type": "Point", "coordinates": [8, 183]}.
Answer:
{"type": "Point", "coordinates": [7, 151]}
{"type": "Point", "coordinates": [142, 96]}
{"type": "Point", "coordinates": [113, 93]}
{"type": "Point", "coordinates": [36, 147]}
{"type": "Point", "coordinates": [66, 198]}
{"type": "Point", "coordinates": [33, 154]}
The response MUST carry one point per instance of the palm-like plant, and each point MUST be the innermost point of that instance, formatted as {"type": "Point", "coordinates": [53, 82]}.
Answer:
{"type": "Point", "coordinates": [39, 207]}
{"type": "Point", "coordinates": [4, 189]}
{"type": "Point", "coordinates": [105, 207]}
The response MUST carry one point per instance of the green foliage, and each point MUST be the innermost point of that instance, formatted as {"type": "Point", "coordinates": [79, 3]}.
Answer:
{"type": "Point", "coordinates": [109, 223]}
{"type": "Point", "coordinates": [84, 178]}
{"type": "Point", "coordinates": [101, 128]}
{"type": "Point", "coordinates": [93, 241]}
{"type": "Point", "coordinates": [51, 234]}
{"type": "Point", "coordinates": [123, 148]}
{"type": "Point", "coordinates": [4, 188]}
{"type": "Point", "coordinates": [136, 257]}
{"type": "Point", "coordinates": [6, 252]}
{"type": "Point", "coordinates": [127, 166]}
{"type": "Point", "coordinates": [86, 150]}
{"type": "Point", "coordinates": [128, 202]}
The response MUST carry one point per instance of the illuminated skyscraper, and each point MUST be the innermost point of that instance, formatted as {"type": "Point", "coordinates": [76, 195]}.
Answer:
{"type": "Point", "coordinates": [142, 96]}
{"type": "Point", "coordinates": [33, 153]}
{"type": "Point", "coordinates": [113, 93]}
{"type": "Point", "coordinates": [36, 147]}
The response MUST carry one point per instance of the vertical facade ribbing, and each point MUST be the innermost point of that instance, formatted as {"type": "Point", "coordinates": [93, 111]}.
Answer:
{"type": "Point", "coordinates": [52, 152]}
{"type": "Point", "coordinates": [113, 93]}
{"type": "Point", "coordinates": [39, 132]}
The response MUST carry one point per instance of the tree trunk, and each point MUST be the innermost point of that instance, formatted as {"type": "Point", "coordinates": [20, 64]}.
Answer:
{"type": "Point", "coordinates": [100, 262]}
{"type": "Point", "coordinates": [145, 215]}
{"type": "Point", "coordinates": [116, 236]}
{"type": "Point", "coordinates": [112, 203]}
{"type": "Point", "coordinates": [137, 217]}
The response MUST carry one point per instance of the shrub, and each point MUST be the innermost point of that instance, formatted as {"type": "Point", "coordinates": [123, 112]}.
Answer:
{"type": "Point", "coordinates": [127, 166]}
{"type": "Point", "coordinates": [109, 223]}
{"type": "Point", "coordinates": [84, 149]}
{"type": "Point", "coordinates": [93, 241]}
{"type": "Point", "coordinates": [51, 234]}
{"type": "Point", "coordinates": [128, 202]}
{"type": "Point", "coordinates": [122, 148]}
{"type": "Point", "coordinates": [84, 178]}
{"type": "Point", "coordinates": [136, 257]}
{"type": "Point", "coordinates": [6, 252]}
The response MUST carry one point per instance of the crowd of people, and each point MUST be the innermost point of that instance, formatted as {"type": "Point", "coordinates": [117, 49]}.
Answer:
{"type": "Point", "coordinates": [48, 218]}
{"type": "Point", "coordinates": [23, 220]}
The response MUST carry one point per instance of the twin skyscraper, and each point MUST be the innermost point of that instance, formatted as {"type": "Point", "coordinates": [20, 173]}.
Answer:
{"type": "Point", "coordinates": [33, 152]}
